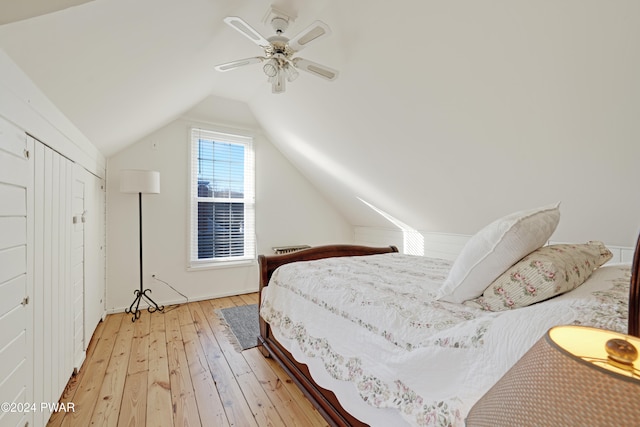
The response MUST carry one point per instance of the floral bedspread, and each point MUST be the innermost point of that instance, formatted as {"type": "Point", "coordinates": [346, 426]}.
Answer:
{"type": "Point", "coordinates": [371, 330]}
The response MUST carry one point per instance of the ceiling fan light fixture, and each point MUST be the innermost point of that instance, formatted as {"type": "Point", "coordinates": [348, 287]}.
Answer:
{"type": "Point", "coordinates": [278, 85]}
{"type": "Point", "coordinates": [271, 68]}
{"type": "Point", "coordinates": [291, 72]}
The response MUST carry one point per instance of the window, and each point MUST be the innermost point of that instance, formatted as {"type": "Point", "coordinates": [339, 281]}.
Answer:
{"type": "Point", "coordinates": [222, 198]}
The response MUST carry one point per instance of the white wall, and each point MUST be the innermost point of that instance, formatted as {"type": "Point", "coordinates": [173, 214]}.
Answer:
{"type": "Point", "coordinates": [289, 210]}
{"type": "Point", "coordinates": [446, 245]}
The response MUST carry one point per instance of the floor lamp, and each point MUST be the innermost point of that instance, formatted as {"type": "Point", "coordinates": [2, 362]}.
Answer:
{"type": "Point", "coordinates": [148, 182]}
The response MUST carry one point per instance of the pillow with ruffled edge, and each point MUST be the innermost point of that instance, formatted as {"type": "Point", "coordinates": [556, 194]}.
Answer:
{"type": "Point", "coordinates": [495, 248]}
{"type": "Point", "coordinates": [544, 273]}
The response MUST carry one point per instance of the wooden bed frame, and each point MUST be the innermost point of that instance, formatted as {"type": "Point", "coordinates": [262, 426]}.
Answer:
{"type": "Point", "coordinates": [324, 400]}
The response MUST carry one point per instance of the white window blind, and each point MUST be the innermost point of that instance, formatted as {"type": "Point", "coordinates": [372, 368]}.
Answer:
{"type": "Point", "coordinates": [222, 198]}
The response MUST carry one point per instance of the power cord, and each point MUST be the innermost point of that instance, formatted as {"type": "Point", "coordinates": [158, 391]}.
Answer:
{"type": "Point", "coordinates": [166, 283]}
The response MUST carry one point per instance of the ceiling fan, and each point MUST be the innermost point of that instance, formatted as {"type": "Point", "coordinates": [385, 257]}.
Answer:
{"type": "Point", "coordinates": [280, 63]}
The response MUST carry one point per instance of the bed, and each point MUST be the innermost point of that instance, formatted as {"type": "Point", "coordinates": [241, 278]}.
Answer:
{"type": "Point", "coordinates": [368, 336]}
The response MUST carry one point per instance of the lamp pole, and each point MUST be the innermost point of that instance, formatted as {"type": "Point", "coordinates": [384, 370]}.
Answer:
{"type": "Point", "coordinates": [141, 293]}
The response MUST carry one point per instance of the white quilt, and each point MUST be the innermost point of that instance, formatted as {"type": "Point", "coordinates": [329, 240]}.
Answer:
{"type": "Point", "coordinates": [370, 329]}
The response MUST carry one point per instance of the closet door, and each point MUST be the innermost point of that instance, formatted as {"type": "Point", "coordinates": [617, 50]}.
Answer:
{"type": "Point", "coordinates": [78, 267]}
{"type": "Point", "coordinates": [94, 254]}
{"type": "Point", "coordinates": [16, 280]}
{"type": "Point", "coordinates": [52, 294]}
{"type": "Point", "coordinates": [87, 259]}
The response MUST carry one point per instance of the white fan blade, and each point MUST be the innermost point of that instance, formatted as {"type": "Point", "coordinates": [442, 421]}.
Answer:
{"type": "Point", "coordinates": [239, 63]}
{"type": "Point", "coordinates": [247, 30]}
{"type": "Point", "coordinates": [313, 32]}
{"type": "Point", "coordinates": [315, 68]}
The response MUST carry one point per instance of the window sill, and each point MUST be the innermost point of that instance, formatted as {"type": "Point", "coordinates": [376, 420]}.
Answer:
{"type": "Point", "coordinates": [221, 264]}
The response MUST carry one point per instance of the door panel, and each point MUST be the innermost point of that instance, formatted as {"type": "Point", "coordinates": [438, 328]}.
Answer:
{"type": "Point", "coordinates": [16, 183]}
{"type": "Point", "coordinates": [52, 295]}
{"type": "Point", "coordinates": [77, 269]}
{"type": "Point", "coordinates": [94, 266]}
{"type": "Point", "coordinates": [12, 290]}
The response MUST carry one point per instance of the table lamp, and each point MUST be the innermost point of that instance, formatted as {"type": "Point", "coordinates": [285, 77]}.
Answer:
{"type": "Point", "coordinates": [573, 376]}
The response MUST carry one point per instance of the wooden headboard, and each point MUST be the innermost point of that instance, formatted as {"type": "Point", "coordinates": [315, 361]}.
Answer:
{"type": "Point", "coordinates": [634, 294]}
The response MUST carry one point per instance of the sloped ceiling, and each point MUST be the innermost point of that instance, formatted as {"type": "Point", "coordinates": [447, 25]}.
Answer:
{"type": "Point", "coordinates": [13, 11]}
{"type": "Point", "coordinates": [446, 114]}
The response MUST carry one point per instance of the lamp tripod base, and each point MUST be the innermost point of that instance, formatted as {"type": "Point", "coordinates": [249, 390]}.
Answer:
{"type": "Point", "coordinates": [140, 295]}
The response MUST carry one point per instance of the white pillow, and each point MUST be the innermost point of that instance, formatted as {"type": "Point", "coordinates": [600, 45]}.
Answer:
{"type": "Point", "coordinates": [495, 248]}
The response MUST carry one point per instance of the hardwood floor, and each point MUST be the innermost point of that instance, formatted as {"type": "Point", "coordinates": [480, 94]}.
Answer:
{"type": "Point", "coordinates": [178, 368]}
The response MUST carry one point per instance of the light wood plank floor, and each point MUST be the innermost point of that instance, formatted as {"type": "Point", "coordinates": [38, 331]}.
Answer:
{"type": "Point", "coordinates": [178, 368]}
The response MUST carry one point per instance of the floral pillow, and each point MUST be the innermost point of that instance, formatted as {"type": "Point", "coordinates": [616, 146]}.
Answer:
{"type": "Point", "coordinates": [544, 273]}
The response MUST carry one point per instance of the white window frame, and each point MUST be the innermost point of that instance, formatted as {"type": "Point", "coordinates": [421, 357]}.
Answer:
{"type": "Point", "coordinates": [197, 133]}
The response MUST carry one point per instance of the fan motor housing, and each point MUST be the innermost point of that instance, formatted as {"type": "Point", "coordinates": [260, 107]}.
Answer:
{"type": "Point", "coordinates": [280, 24]}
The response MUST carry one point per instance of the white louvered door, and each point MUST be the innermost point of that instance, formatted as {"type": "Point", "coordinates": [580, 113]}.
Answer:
{"type": "Point", "coordinates": [52, 296]}
{"type": "Point", "coordinates": [16, 279]}
{"type": "Point", "coordinates": [78, 270]}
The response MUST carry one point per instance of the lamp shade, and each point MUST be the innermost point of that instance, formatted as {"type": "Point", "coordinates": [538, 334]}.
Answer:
{"type": "Point", "coordinates": [139, 181]}
{"type": "Point", "coordinates": [566, 379]}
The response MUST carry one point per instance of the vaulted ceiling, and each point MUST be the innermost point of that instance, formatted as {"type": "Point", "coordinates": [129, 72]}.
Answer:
{"type": "Point", "coordinates": [446, 114]}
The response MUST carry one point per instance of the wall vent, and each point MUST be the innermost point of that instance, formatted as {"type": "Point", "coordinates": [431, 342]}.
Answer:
{"type": "Point", "coordinates": [279, 250]}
